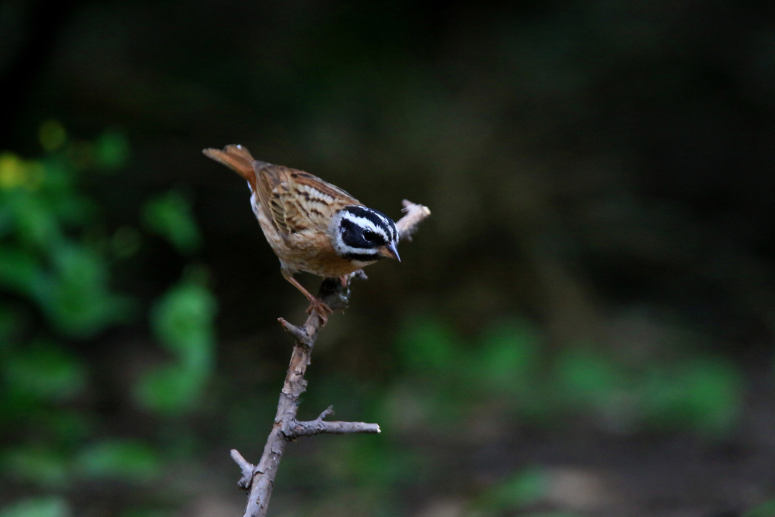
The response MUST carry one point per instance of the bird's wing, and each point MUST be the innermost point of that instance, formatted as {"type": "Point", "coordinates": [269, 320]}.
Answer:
{"type": "Point", "coordinates": [297, 200]}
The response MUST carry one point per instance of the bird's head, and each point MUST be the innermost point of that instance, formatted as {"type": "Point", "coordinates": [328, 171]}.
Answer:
{"type": "Point", "coordinates": [363, 234]}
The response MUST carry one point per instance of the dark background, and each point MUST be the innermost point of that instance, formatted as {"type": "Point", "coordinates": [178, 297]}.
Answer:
{"type": "Point", "coordinates": [583, 327]}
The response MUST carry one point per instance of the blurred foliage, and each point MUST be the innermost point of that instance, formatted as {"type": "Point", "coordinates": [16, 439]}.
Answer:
{"type": "Point", "coordinates": [44, 371]}
{"type": "Point", "coordinates": [550, 514]}
{"type": "Point", "coordinates": [766, 509]}
{"type": "Point", "coordinates": [118, 459]}
{"type": "Point", "coordinates": [42, 258]}
{"type": "Point", "coordinates": [182, 321]}
{"type": "Point", "coordinates": [42, 465]}
{"type": "Point", "coordinates": [704, 394]}
{"type": "Point", "coordinates": [170, 215]}
{"type": "Point", "coordinates": [59, 262]}
{"type": "Point", "coordinates": [513, 493]}
{"type": "Point", "coordinates": [38, 507]}
{"type": "Point", "coordinates": [146, 512]}
{"type": "Point", "coordinates": [511, 370]}
{"type": "Point", "coordinates": [505, 379]}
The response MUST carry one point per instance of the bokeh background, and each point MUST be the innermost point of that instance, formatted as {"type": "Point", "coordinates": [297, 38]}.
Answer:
{"type": "Point", "coordinates": [583, 327]}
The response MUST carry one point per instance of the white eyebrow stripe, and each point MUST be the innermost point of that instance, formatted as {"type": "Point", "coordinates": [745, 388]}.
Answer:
{"type": "Point", "coordinates": [347, 249]}
{"type": "Point", "coordinates": [365, 223]}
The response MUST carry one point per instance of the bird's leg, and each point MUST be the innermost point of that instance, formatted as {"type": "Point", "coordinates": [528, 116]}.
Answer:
{"type": "Point", "coordinates": [316, 304]}
{"type": "Point", "coordinates": [358, 273]}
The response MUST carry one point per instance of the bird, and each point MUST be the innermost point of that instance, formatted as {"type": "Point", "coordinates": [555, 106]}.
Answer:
{"type": "Point", "coordinates": [311, 225]}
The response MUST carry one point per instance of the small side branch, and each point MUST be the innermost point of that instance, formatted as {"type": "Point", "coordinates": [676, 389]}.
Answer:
{"type": "Point", "coordinates": [245, 466]}
{"type": "Point", "coordinates": [313, 427]}
{"type": "Point", "coordinates": [259, 479]}
{"type": "Point", "coordinates": [298, 334]}
{"type": "Point", "coordinates": [414, 214]}
{"type": "Point", "coordinates": [320, 425]}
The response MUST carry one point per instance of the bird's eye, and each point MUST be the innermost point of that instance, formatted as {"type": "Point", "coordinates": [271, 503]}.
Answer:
{"type": "Point", "coordinates": [370, 235]}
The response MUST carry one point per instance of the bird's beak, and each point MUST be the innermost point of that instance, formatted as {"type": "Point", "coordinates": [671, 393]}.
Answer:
{"type": "Point", "coordinates": [389, 251]}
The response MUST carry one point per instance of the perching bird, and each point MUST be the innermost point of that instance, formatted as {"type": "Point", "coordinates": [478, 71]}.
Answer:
{"type": "Point", "coordinates": [312, 226]}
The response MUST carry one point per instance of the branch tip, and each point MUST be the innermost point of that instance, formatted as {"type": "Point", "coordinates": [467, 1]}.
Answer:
{"type": "Point", "coordinates": [247, 469]}
{"type": "Point", "coordinates": [326, 413]}
{"type": "Point", "coordinates": [299, 334]}
{"type": "Point", "coordinates": [414, 214]}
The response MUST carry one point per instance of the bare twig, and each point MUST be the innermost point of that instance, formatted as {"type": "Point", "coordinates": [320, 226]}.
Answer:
{"type": "Point", "coordinates": [245, 466]}
{"type": "Point", "coordinates": [320, 425]}
{"type": "Point", "coordinates": [413, 215]}
{"type": "Point", "coordinates": [259, 479]}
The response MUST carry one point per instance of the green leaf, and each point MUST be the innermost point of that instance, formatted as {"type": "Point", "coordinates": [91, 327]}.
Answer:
{"type": "Point", "coordinates": [12, 171]}
{"type": "Point", "coordinates": [111, 150]}
{"type": "Point", "coordinates": [428, 344]}
{"type": "Point", "coordinates": [52, 135]}
{"type": "Point", "coordinates": [374, 461]}
{"type": "Point", "coordinates": [521, 489]}
{"type": "Point", "coordinates": [41, 466]}
{"type": "Point", "coordinates": [704, 395]}
{"type": "Point", "coordinates": [21, 271]}
{"type": "Point", "coordinates": [35, 223]}
{"type": "Point", "coordinates": [171, 217]}
{"type": "Point", "coordinates": [46, 506]}
{"type": "Point", "coordinates": [171, 389]}
{"type": "Point", "coordinates": [9, 324]}
{"type": "Point", "coordinates": [508, 358]}
{"type": "Point", "coordinates": [65, 426]}
{"type": "Point", "coordinates": [183, 321]}
{"type": "Point", "coordinates": [765, 509]}
{"type": "Point", "coordinates": [77, 299]}
{"type": "Point", "coordinates": [62, 196]}
{"type": "Point", "coordinates": [44, 370]}
{"type": "Point", "coordinates": [587, 378]}
{"type": "Point", "coordinates": [118, 459]}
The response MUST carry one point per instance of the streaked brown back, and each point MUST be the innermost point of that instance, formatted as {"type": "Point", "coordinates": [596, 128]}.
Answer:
{"type": "Point", "coordinates": [293, 200]}
{"type": "Point", "coordinates": [298, 200]}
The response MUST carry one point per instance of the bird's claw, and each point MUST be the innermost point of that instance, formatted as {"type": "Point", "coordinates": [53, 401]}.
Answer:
{"type": "Point", "coordinates": [320, 308]}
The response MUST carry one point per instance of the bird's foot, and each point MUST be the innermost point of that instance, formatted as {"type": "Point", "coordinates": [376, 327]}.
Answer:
{"type": "Point", "coordinates": [321, 309]}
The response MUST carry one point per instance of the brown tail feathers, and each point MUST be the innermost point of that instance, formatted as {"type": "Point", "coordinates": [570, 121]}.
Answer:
{"type": "Point", "coordinates": [236, 158]}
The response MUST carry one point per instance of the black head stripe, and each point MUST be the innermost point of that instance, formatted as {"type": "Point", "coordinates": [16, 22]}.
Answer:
{"type": "Point", "coordinates": [374, 216]}
{"type": "Point", "coordinates": [363, 257]}
{"type": "Point", "coordinates": [377, 218]}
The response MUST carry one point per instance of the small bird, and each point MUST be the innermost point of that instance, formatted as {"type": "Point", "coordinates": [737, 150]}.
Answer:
{"type": "Point", "coordinates": [312, 226]}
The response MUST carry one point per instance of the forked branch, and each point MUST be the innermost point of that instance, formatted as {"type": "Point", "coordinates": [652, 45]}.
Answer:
{"type": "Point", "coordinates": [259, 479]}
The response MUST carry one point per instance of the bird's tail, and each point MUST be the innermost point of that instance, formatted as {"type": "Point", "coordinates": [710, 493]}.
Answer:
{"type": "Point", "coordinates": [236, 158]}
